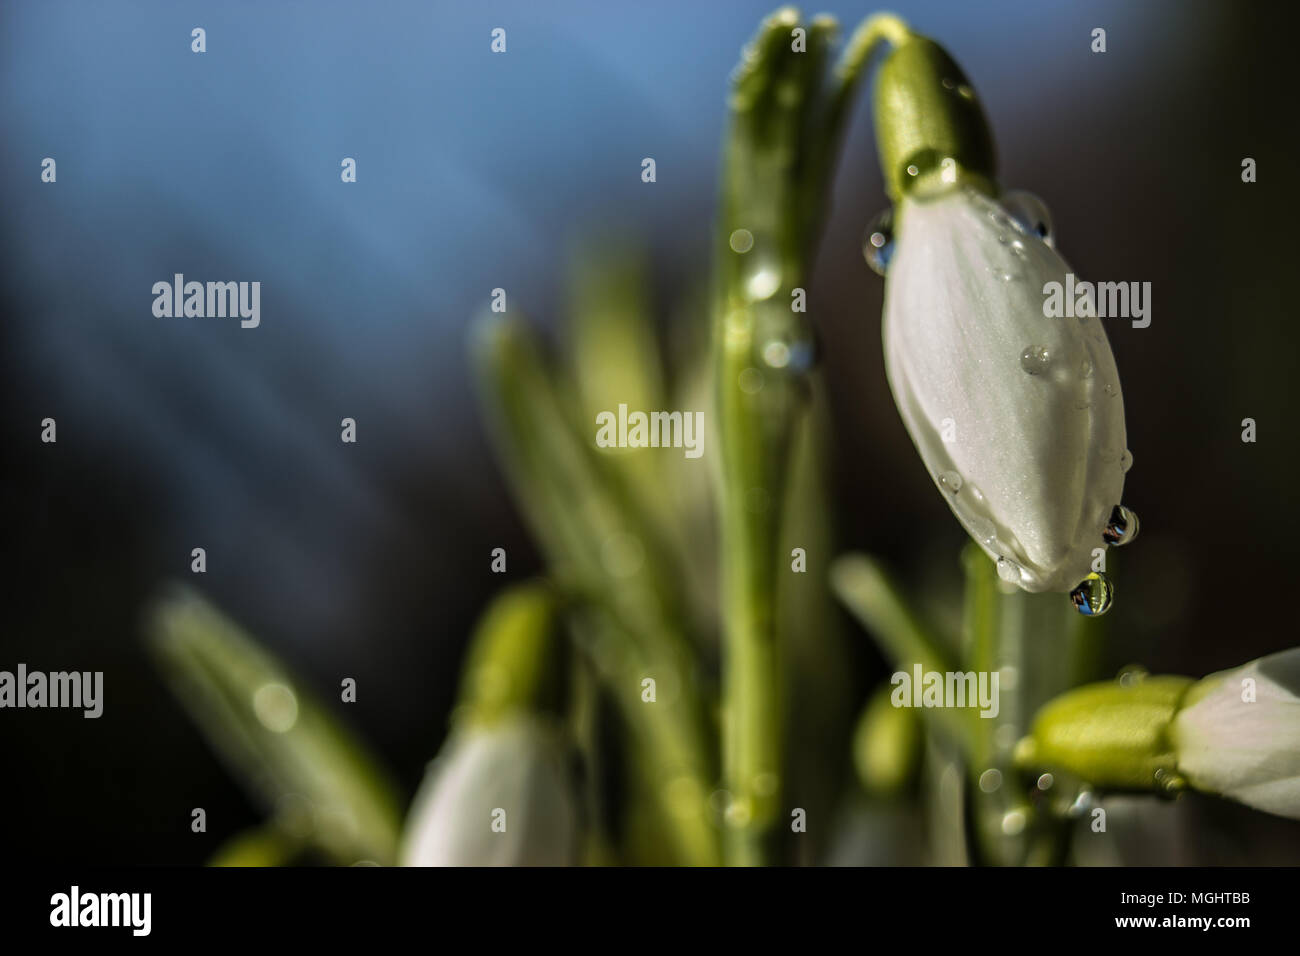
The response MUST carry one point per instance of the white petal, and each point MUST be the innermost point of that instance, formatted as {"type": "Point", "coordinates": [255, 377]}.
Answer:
{"type": "Point", "coordinates": [1038, 456]}
{"type": "Point", "coordinates": [514, 766]}
{"type": "Point", "coordinates": [1246, 750]}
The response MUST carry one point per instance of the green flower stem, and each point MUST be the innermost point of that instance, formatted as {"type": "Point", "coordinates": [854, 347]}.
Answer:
{"type": "Point", "coordinates": [311, 773]}
{"type": "Point", "coordinates": [591, 536]}
{"type": "Point", "coordinates": [784, 136]}
{"type": "Point", "coordinates": [926, 112]}
{"type": "Point", "coordinates": [994, 626]}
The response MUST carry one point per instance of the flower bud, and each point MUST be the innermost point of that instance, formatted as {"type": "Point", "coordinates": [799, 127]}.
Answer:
{"type": "Point", "coordinates": [497, 795]}
{"type": "Point", "coordinates": [1018, 417]}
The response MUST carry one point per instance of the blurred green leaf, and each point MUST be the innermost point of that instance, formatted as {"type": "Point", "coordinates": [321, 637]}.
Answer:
{"type": "Point", "coordinates": [308, 769]}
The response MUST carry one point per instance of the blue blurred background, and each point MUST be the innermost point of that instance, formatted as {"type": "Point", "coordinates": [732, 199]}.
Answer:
{"type": "Point", "coordinates": [478, 171]}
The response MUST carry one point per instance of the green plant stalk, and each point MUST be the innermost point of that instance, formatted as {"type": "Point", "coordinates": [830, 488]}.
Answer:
{"type": "Point", "coordinates": [577, 515]}
{"type": "Point", "coordinates": [785, 132]}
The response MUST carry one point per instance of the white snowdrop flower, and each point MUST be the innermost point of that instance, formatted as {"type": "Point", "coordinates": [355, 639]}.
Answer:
{"type": "Point", "coordinates": [1017, 416]}
{"type": "Point", "coordinates": [514, 765]}
{"type": "Point", "coordinates": [1238, 734]}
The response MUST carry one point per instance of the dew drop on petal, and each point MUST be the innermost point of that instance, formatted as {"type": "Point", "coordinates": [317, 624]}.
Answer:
{"type": "Point", "coordinates": [1031, 213]}
{"type": "Point", "coordinates": [1085, 367]}
{"type": "Point", "coordinates": [1094, 595]}
{"type": "Point", "coordinates": [951, 481]}
{"type": "Point", "coordinates": [1008, 571]}
{"type": "Point", "coordinates": [990, 780]}
{"type": "Point", "coordinates": [1036, 359]}
{"type": "Point", "coordinates": [878, 245]}
{"type": "Point", "coordinates": [1111, 389]}
{"type": "Point", "coordinates": [1126, 460]}
{"type": "Point", "coordinates": [982, 530]}
{"type": "Point", "coordinates": [1122, 527]}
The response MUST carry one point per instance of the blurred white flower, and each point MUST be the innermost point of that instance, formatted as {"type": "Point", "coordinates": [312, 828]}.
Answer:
{"type": "Point", "coordinates": [1018, 417]}
{"type": "Point", "coordinates": [1238, 734]}
{"type": "Point", "coordinates": [515, 766]}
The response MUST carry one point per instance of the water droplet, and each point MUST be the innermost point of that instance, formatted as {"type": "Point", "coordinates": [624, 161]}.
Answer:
{"type": "Point", "coordinates": [990, 780]}
{"type": "Point", "coordinates": [1083, 802]}
{"type": "Point", "coordinates": [738, 813]}
{"type": "Point", "coordinates": [975, 493]}
{"type": "Point", "coordinates": [1085, 368]}
{"type": "Point", "coordinates": [1132, 675]}
{"type": "Point", "coordinates": [1111, 389]}
{"type": "Point", "coordinates": [1126, 460]}
{"type": "Point", "coordinates": [1008, 571]}
{"type": "Point", "coordinates": [742, 240]}
{"type": "Point", "coordinates": [951, 481]}
{"type": "Point", "coordinates": [1045, 781]}
{"type": "Point", "coordinates": [763, 283]}
{"type": "Point", "coordinates": [776, 354]}
{"type": "Point", "coordinates": [1031, 213]}
{"type": "Point", "coordinates": [1168, 781]}
{"type": "Point", "coordinates": [276, 706]}
{"type": "Point", "coordinates": [1036, 359]}
{"type": "Point", "coordinates": [929, 172]}
{"type": "Point", "coordinates": [1013, 822]}
{"type": "Point", "coordinates": [1017, 248]}
{"type": "Point", "coordinates": [983, 530]}
{"type": "Point", "coordinates": [878, 246]}
{"type": "Point", "coordinates": [1094, 595]}
{"type": "Point", "coordinates": [796, 355]}
{"type": "Point", "coordinates": [1122, 527]}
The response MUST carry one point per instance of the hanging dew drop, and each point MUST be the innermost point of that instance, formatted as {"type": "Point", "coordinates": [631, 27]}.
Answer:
{"type": "Point", "coordinates": [1126, 460]}
{"type": "Point", "coordinates": [1094, 595]}
{"type": "Point", "coordinates": [1122, 527]}
{"type": "Point", "coordinates": [1036, 359]}
{"type": "Point", "coordinates": [1008, 571]}
{"type": "Point", "coordinates": [1031, 214]}
{"type": "Point", "coordinates": [878, 246]}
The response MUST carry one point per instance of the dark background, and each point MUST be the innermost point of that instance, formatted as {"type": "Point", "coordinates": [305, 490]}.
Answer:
{"type": "Point", "coordinates": [475, 171]}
